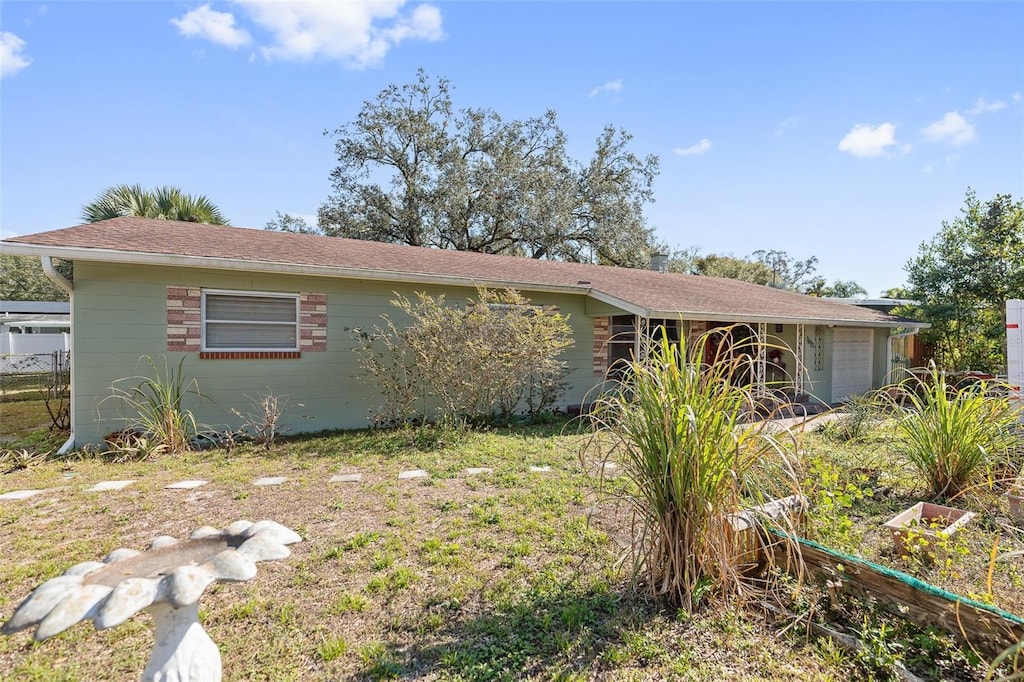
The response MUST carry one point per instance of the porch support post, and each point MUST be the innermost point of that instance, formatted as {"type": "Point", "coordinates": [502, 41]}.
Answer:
{"type": "Point", "coordinates": [799, 377]}
{"type": "Point", "coordinates": [762, 360]}
{"type": "Point", "coordinates": [640, 329]}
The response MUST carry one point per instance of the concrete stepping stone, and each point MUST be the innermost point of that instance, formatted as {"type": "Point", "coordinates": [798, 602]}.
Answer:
{"type": "Point", "coordinates": [412, 473]}
{"type": "Point", "coordinates": [185, 485]}
{"type": "Point", "coordinates": [270, 480]}
{"type": "Point", "coordinates": [476, 471]}
{"type": "Point", "coordinates": [104, 486]}
{"type": "Point", "coordinates": [346, 478]}
{"type": "Point", "coordinates": [540, 470]}
{"type": "Point", "coordinates": [19, 494]}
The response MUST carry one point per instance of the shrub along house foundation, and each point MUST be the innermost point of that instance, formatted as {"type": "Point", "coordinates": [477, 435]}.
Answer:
{"type": "Point", "coordinates": [254, 310]}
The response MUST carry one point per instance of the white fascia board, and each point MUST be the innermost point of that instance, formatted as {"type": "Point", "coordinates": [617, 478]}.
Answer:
{"type": "Point", "coordinates": [782, 319]}
{"type": "Point", "coordinates": [625, 306]}
{"type": "Point", "coordinates": [271, 267]}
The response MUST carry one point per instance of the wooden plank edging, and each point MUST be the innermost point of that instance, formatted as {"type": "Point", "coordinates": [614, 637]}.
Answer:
{"type": "Point", "coordinates": [984, 628]}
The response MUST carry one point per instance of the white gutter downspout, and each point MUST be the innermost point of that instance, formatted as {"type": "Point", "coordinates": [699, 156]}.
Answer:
{"type": "Point", "coordinates": [61, 281]}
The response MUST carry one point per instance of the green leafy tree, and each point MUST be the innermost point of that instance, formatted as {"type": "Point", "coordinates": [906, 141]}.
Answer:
{"type": "Point", "coordinates": [962, 278]}
{"type": "Point", "coordinates": [838, 289]}
{"type": "Point", "coordinates": [896, 292]}
{"type": "Point", "coordinates": [771, 268]}
{"type": "Point", "coordinates": [165, 203]}
{"type": "Point", "coordinates": [22, 279]}
{"type": "Point", "coordinates": [692, 262]}
{"type": "Point", "coordinates": [414, 170]}
{"type": "Point", "coordinates": [285, 222]}
{"type": "Point", "coordinates": [787, 272]}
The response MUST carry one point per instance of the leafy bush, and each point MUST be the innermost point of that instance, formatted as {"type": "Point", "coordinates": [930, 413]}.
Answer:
{"type": "Point", "coordinates": [695, 461]}
{"type": "Point", "coordinates": [832, 494]}
{"type": "Point", "coordinates": [153, 411]}
{"type": "Point", "coordinates": [952, 436]}
{"type": "Point", "coordinates": [475, 363]}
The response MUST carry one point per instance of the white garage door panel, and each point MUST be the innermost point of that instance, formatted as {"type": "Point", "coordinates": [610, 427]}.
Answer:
{"type": "Point", "coordinates": [851, 362]}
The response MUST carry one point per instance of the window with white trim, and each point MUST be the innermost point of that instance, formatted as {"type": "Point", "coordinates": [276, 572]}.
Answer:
{"type": "Point", "coordinates": [250, 321]}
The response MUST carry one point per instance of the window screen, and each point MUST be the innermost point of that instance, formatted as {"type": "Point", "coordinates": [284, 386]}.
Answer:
{"type": "Point", "coordinates": [250, 322]}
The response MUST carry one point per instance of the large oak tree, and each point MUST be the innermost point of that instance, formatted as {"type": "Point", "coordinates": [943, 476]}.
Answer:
{"type": "Point", "coordinates": [414, 170]}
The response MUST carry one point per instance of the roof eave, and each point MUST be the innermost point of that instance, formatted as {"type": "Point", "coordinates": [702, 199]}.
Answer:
{"type": "Point", "coordinates": [213, 263]}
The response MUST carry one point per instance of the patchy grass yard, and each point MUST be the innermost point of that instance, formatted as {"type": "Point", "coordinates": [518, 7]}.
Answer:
{"type": "Point", "coordinates": [25, 424]}
{"type": "Point", "coordinates": [506, 575]}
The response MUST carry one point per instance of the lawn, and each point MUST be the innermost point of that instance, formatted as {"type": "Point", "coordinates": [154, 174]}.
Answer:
{"type": "Point", "coordinates": [505, 575]}
{"type": "Point", "coordinates": [510, 574]}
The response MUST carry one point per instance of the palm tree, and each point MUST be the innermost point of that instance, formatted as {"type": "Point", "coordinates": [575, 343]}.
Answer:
{"type": "Point", "coordinates": [165, 203]}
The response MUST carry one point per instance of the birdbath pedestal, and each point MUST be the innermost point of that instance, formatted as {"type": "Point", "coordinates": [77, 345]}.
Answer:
{"type": "Point", "coordinates": [166, 580]}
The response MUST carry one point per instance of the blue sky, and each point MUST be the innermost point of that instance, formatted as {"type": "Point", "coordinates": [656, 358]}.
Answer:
{"type": "Point", "coordinates": [848, 131]}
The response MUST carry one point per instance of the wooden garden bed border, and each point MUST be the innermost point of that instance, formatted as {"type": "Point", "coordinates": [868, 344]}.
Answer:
{"type": "Point", "coordinates": [984, 628]}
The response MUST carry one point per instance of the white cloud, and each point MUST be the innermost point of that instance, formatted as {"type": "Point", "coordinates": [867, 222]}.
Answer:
{"type": "Point", "coordinates": [928, 169]}
{"type": "Point", "coordinates": [358, 32]}
{"type": "Point", "coordinates": [868, 141]}
{"type": "Point", "coordinates": [217, 27]}
{"type": "Point", "coordinates": [983, 107]}
{"type": "Point", "coordinates": [610, 86]}
{"type": "Point", "coordinates": [702, 147]}
{"type": "Point", "coordinates": [12, 59]}
{"type": "Point", "coordinates": [787, 123]}
{"type": "Point", "coordinates": [1017, 96]}
{"type": "Point", "coordinates": [952, 128]}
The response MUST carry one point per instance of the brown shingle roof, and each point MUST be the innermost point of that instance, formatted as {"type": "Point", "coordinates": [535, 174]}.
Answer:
{"type": "Point", "coordinates": [645, 291]}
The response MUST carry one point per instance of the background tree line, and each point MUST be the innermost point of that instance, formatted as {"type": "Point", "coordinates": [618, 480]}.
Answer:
{"type": "Point", "coordinates": [413, 169]}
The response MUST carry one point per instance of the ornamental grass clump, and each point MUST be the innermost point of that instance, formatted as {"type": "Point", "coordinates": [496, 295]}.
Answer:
{"type": "Point", "coordinates": [684, 435]}
{"type": "Point", "coordinates": [954, 438]}
{"type": "Point", "coordinates": [153, 410]}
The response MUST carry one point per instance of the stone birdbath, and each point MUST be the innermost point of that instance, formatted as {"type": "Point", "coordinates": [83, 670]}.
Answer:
{"type": "Point", "coordinates": [166, 580]}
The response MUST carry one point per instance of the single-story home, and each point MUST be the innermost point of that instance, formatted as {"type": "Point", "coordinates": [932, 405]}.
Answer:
{"type": "Point", "coordinates": [252, 310]}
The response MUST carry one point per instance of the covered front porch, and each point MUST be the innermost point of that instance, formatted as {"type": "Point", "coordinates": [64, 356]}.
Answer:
{"type": "Point", "coordinates": [802, 367]}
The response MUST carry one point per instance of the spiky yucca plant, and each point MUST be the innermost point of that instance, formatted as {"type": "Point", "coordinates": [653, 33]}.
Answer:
{"type": "Point", "coordinates": [685, 436]}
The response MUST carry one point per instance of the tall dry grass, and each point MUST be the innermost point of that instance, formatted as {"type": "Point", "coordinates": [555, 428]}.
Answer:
{"type": "Point", "coordinates": [696, 456]}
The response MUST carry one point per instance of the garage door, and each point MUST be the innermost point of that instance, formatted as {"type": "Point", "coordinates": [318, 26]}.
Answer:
{"type": "Point", "coordinates": [851, 362]}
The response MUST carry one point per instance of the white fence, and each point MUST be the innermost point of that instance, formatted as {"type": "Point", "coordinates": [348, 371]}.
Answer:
{"type": "Point", "coordinates": [12, 343]}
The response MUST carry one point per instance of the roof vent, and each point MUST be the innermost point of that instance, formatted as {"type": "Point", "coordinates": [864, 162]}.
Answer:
{"type": "Point", "coordinates": [584, 281]}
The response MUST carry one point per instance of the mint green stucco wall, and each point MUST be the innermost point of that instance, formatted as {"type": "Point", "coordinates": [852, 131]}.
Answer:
{"type": "Point", "coordinates": [120, 314]}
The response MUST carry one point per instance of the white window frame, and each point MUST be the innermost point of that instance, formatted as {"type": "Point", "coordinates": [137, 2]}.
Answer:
{"type": "Point", "coordinates": [264, 294]}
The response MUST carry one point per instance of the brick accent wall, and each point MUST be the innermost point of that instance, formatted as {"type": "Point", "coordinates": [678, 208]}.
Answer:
{"type": "Point", "coordinates": [184, 321]}
{"type": "Point", "coordinates": [183, 333]}
{"type": "Point", "coordinates": [313, 322]}
{"type": "Point", "coordinates": [601, 336]}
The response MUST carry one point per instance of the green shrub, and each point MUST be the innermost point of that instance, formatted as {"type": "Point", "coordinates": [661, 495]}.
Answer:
{"type": "Point", "coordinates": [476, 363]}
{"type": "Point", "coordinates": [682, 435]}
{"type": "Point", "coordinates": [953, 436]}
